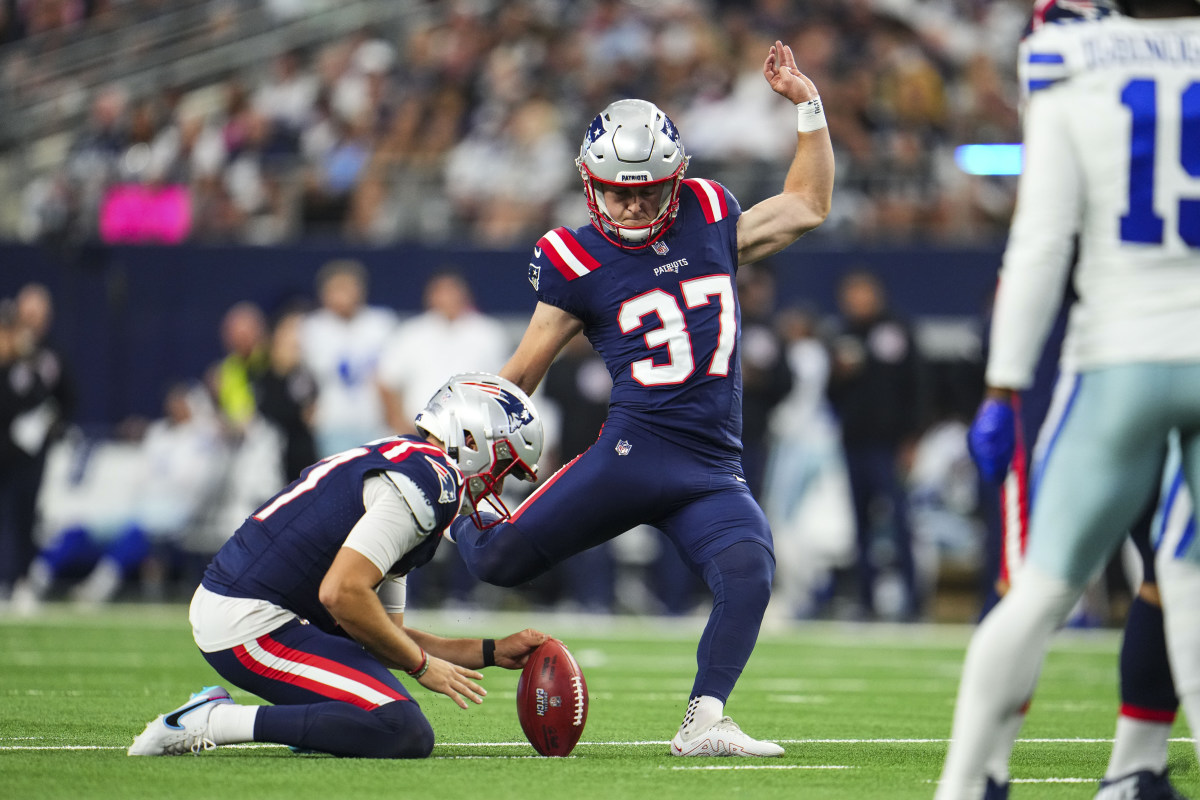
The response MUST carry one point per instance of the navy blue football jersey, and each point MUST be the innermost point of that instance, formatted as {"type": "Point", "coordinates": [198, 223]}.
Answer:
{"type": "Point", "coordinates": [664, 318]}
{"type": "Point", "coordinates": [283, 550]}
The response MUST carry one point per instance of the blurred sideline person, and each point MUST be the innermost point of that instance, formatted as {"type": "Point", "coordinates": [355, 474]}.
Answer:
{"type": "Point", "coordinates": [341, 342]}
{"type": "Point", "coordinates": [244, 337]}
{"type": "Point", "coordinates": [47, 399]}
{"type": "Point", "coordinates": [179, 463]}
{"type": "Point", "coordinates": [286, 394]}
{"type": "Point", "coordinates": [875, 389]}
{"type": "Point", "coordinates": [450, 336]}
{"type": "Point", "coordinates": [766, 373]}
{"type": "Point", "coordinates": [651, 282]}
{"type": "Point", "coordinates": [807, 492]}
{"type": "Point", "coordinates": [22, 392]}
{"type": "Point", "coordinates": [1104, 136]}
{"type": "Point", "coordinates": [304, 606]}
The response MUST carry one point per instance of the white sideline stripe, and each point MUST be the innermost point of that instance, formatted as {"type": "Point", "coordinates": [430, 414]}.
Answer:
{"type": "Point", "coordinates": [1051, 780]}
{"type": "Point", "coordinates": [770, 766]}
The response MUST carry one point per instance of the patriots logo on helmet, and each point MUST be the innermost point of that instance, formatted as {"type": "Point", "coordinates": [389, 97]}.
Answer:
{"type": "Point", "coordinates": [519, 414]}
{"type": "Point", "coordinates": [669, 128]}
{"type": "Point", "coordinates": [1046, 12]}
{"type": "Point", "coordinates": [514, 408]}
{"type": "Point", "coordinates": [594, 131]}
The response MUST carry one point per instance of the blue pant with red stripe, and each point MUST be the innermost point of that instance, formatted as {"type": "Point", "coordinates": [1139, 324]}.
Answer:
{"type": "Point", "coordinates": [330, 695]}
{"type": "Point", "coordinates": [634, 476]}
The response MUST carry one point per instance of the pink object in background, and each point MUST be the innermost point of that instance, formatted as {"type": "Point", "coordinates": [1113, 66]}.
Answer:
{"type": "Point", "coordinates": [137, 213]}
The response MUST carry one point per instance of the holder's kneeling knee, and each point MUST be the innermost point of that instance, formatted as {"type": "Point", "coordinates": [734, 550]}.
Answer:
{"type": "Point", "coordinates": [412, 735]}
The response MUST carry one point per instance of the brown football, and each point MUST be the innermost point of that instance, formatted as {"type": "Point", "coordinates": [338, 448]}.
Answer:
{"type": "Point", "coordinates": [552, 699]}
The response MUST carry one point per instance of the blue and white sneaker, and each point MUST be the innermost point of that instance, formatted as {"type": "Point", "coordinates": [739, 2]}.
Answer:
{"type": "Point", "coordinates": [1141, 785]}
{"type": "Point", "coordinates": [184, 730]}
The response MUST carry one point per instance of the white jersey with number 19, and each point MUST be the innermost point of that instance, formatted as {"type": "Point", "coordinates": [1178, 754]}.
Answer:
{"type": "Point", "coordinates": [1112, 154]}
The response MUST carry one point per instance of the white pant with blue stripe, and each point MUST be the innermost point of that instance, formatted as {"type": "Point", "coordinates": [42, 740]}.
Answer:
{"type": "Point", "coordinates": [1098, 462]}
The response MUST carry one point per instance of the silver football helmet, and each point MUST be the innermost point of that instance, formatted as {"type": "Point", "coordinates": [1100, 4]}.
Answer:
{"type": "Point", "coordinates": [491, 429]}
{"type": "Point", "coordinates": [632, 143]}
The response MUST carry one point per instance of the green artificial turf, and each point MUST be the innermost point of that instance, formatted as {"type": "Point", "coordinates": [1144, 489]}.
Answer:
{"type": "Point", "coordinates": [864, 712]}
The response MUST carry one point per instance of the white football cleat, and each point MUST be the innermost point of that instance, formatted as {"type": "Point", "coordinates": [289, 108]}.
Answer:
{"type": "Point", "coordinates": [724, 738]}
{"type": "Point", "coordinates": [184, 730]}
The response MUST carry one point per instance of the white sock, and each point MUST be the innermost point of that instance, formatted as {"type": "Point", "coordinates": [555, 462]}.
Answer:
{"type": "Point", "coordinates": [1139, 744]}
{"type": "Point", "coordinates": [1179, 583]}
{"type": "Point", "coordinates": [40, 576]}
{"type": "Point", "coordinates": [102, 583]}
{"type": "Point", "coordinates": [997, 763]}
{"type": "Point", "coordinates": [702, 713]}
{"type": "Point", "coordinates": [231, 724]}
{"type": "Point", "coordinates": [999, 675]}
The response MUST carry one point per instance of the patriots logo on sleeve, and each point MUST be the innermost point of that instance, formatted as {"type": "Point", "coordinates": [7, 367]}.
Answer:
{"type": "Point", "coordinates": [447, 482]}
{"type": "Point", "coordinates": [535, 274]}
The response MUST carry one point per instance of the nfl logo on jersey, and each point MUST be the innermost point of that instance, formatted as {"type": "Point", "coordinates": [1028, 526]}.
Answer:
{"type": "Point", "coordinates": [623, 447]}
{"type": "Point", "coordinates": [660, 247]}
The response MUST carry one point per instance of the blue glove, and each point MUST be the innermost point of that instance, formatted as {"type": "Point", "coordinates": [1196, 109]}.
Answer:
{"type": "Point", "coordinates": [992, 438]}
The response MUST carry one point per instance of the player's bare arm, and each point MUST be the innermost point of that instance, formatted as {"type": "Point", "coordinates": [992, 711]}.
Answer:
{"type": "Point", "coordinates": [774, 223]}
{"type": "Point", "coordinates": [348, 592]}
{"type": "Point", "coordinates": [511, 652]}
{"type": "Point", "coordinates": [549, 330]}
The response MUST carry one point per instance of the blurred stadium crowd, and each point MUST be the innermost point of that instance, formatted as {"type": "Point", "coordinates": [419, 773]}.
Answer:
{"type": "Point", "coordinates": [459, 120]}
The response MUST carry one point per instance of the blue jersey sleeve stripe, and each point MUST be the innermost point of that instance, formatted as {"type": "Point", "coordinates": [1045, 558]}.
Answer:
{"type": "Point", "coordinates": [1046, 58]}
{"type": "Point", "coordinates": [1038, 85]}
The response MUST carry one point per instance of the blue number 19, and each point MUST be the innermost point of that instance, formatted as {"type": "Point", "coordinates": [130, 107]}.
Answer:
{"type": "Point", "coordinates": [1142, 225]}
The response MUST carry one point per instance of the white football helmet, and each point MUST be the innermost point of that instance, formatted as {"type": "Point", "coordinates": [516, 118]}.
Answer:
{"type": "Point", "coordinates": [490, 428]}
{"type": "Point", "coordinates": [632, 143]}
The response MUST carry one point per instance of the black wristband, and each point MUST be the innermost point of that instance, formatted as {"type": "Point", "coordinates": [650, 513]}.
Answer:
{"type": "Point", "coordinates": [489, 652]}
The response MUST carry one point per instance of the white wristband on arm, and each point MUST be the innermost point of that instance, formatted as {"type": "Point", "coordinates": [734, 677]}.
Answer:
{"type": "Point", "coordinates": [810, 116]}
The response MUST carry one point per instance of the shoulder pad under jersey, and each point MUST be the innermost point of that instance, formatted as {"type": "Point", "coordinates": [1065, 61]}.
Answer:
{"type": "Point", "coordinates": [422, 510]}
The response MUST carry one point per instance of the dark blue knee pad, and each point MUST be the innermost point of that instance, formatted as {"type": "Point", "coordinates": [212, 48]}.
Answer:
{"type": "Point", "coordinates": [412, 735]}
{"type": "Point", "coordinates": [393, 730]}
{"type": "Point", "coordinates": [742, 573]}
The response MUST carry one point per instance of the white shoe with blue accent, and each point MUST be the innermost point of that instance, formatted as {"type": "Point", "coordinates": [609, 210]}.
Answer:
{"type": "Point", "coordinates": [184, 730]}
